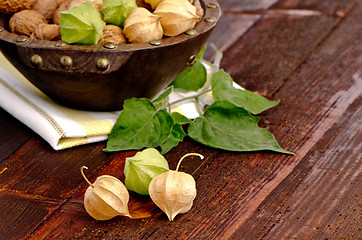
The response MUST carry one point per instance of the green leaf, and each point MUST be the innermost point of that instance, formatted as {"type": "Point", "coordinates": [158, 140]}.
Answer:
{"type": "Point", "coordinates": [139, 125]}
{"type": "Point", "coordinates": [161, 100]}
{"type": "Point", "coordinates": [116, 11]}
{"type": "Point", "coordinates": [81, 24]}
{"type": "Point", "coordinates": [179, 118]}
{"type": "Point", "coordinates": [192, 78]}
{"type": "Point", "coordinates": [201, 53]}
{"type": "Point", "coordinates": [140, 169]}
{"type": "Point", "coordinates": [176, 136]}
{"type": "Point", "coordinates": [222, 89]}
{"type": "Point", "coordinates": [226, 126]}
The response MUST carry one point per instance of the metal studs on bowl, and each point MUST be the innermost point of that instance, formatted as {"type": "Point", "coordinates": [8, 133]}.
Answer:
{"type": "Point", "coordinates": [109, 45]}
{"type": "Point", "coordinates": [36, 61]}
{"type": "Point", "coordinates": [102, 64]}
{"type": "Point", "coordinates": [66, 62]}
{"type": "Point", "coordinates": [191, 32]}
{"type": "Point", "coordinates": [212, 6]}
{"type": "Point", "coordinates": [191, 60]}
{"type": "Point", "coordinates": [60, 44]}
{"type": "Point", "coordinates": [155, 42]}
{"type": "Point", "coordinates": [210, 20]}
{"type": "Point", "coordinates": [22, 38]}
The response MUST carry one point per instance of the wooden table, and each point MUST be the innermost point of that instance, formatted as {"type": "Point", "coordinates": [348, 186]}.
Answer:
{"type": "Point", "coordinates": [308, 54]}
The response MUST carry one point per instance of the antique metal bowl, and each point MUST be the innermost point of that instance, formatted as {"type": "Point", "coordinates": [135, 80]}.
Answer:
{"type": "Point", "coordinates": [101, 77]}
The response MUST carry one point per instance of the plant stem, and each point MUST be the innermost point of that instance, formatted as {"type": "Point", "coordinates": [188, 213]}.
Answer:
{"type": "Point", "coordinates": [207, 63]}
{"type": "Point", "coordinates": [81, 170]}
{"type": "Point", "coordinates": [182, 100]}
{"type": "Point", "coordinates": [186, 155]}
{"type": "Point", "coordinates": [196, 97]}
{"type": "Point", "coordinates": [198, 109]}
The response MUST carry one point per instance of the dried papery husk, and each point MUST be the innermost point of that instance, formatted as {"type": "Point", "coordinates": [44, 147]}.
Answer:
{"type": "Point", "coordinates": [142, 3]}
{"type": "Point", "coordinates": [199, 10]}
{"type": "Point", "coordinates": [153, 3]}
{"type": "Point", "coordinates": [97, 4]}
{"type": "Point", "coordinates": [173, 192]}
{"type": "Point", "coordinates": [142, 26]}
{"type": "Point", "coordinates": [106, 198]}
{"type": "Point", "coordinates": [178, 16]}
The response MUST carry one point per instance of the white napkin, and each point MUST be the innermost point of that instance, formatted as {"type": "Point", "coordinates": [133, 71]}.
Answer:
{"type": "Point", "coordinates": [60, 126]}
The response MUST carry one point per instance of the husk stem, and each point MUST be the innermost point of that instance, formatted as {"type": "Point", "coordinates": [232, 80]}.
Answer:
{"type": "Point", "coordinates": [85, 178]}
{"type": "Point", "coordinates": [187, 155]}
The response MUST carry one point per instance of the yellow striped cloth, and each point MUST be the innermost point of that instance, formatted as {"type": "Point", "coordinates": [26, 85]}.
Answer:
{"type": "Point", "coordinates": [60, 126]}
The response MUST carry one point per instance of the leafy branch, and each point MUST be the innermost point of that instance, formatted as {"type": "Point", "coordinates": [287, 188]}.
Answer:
{"type": "Point", "coordinates": [229, 123]}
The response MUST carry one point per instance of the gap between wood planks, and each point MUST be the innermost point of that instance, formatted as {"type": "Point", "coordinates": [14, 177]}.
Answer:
{"type": "Point", "coordinates": [269, 12]}
{"type": "Point", "coordinates": [291, 12]}
{"type": "Point", "coordinates": [31, 196]}
{"type": "Point", "coordinates": [336, 108]}
{"type": "Point", "coordinates": [333, 115]}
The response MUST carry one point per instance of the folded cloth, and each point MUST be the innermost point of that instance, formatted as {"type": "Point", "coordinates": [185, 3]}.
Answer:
{"type": "Point", "coordinates": [60, 126]}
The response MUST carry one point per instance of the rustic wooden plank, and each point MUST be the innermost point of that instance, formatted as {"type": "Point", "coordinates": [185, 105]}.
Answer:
{"type": "Point", "coordinates": [314, 210]}
{"type": "Point", "coordinates": [344, 221]}
{"type": "Point", "coordinates": [235, 192]}
{"type": "Point", "coordinates": [322, 93]}
{"type": "Point", "coordinates": [205, 216]}
{"type": "Point", "coordinates": [325, 184]}
{"type": "Point", "coordinates": [13, 134]}
{"type": "Point", "coordinates": [227, 198]}
{"type": "Point", "coordinates": [342, 49]}
{"type": "Point", "coordinates": [274, 48]}
{"type": "Point", "coordinates": [332, 7]}
{"type": "Point", "coordinates": [229, 28]}
{"type": "Point", "coordinates": [85, 227]}
{"type": "Point", "coordinates": [37, 169]}
{"type": "Point", "coordinates": [235, 180]}
{"type": "Point", "coordinates": [21, 213]}
{"type": "Point", "coordinates": [246, 5]}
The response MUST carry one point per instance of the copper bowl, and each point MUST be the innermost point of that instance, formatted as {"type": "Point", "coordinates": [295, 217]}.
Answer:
{"type": "Point", "coordinates": [101, 77]}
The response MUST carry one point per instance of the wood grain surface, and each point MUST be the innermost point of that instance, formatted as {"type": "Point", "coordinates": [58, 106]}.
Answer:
{"type": "Point", "coordinates": [308, 54]}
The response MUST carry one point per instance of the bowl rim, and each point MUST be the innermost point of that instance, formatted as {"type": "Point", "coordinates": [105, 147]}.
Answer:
{"type": "Point", "coordinates": [212, 13]}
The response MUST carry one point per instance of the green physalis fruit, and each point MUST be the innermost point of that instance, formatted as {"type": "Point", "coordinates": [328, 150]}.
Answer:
{"type": "Point", "coordinates": [81, 24]}
{"type": "Point", "coordinates": [142, 168]}
{"type": "Point", "coordinates": [116, 11]}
